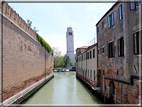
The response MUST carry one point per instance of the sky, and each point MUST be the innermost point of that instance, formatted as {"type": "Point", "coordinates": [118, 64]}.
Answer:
{"type": "Point", "coordinates": [52, 20]}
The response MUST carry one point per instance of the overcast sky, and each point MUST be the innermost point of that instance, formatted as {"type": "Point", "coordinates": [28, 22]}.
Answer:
{"type": "Point", "coordinates": [52, 20]}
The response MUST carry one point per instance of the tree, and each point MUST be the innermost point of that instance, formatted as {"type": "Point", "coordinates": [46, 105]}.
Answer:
{"type": "Point", "coordinates": [75, 63]}
{"type": "Point", "coordinates": [57, 52]}
{"type": "Point", "coordinates": [29, 23]}
{"type": "Point", "coordinates": [71, 63]}
{"type": "Point", "coordinates": [35, 30]}
{"type": "Point", "coordinates": [57, 56]}
{"type": "Point", "coordinates": [66, 59]}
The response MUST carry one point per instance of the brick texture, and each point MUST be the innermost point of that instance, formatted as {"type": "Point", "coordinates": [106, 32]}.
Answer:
{"type": "Point", "coordinates": [25, 61]}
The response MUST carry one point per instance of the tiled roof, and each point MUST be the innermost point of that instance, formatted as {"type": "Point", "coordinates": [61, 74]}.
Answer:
{"type": "Point", "coordinates": [84, 47]}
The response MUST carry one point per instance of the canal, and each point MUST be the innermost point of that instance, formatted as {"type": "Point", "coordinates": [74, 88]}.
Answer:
{"type": "Point", "coordinates": [64, 88]}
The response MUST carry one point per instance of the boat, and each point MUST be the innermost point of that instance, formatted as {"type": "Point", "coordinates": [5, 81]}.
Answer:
{"type": "Point", "coordinates": [67, 69]}
{"type": "Point", "coordinates": [59, 70]}
{"type": "Point", "coordinates": [55, 70]}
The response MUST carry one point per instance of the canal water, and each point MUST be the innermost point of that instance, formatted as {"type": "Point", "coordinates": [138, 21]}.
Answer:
{"type": "Point", "coordinates": [64, 88]}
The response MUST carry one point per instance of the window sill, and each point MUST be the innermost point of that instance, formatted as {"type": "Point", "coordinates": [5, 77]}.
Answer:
{"type": "Point", "coordinates": [111, 58]}
{"type": "Point", "coordinates": [120, 56]}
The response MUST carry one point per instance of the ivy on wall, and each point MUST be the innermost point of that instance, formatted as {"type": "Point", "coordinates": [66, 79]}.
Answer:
{"type": "Point", "coordinates": [44, 44]}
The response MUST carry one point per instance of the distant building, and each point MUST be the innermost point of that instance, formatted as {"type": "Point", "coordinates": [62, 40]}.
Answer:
{"type": "Point", "coordinates": [81, 50]}
{"type": "Point", "coordinates": [70, 44]}
{"type": "Point", "coordinates": [86, 65]}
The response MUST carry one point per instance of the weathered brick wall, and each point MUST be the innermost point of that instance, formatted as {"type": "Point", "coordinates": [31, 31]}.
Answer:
{"type": "Point", "coordinates": [24, 59]}
{"type": "Point", "coordinates": [13, 16]}
{"type": "Point", "coordinates": [121, 68]}
{"type": "Point", "coordinates": [0, 57]}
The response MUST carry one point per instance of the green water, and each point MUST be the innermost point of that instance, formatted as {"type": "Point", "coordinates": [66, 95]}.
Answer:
{"type": "Point", "coordinates": [64, 88]}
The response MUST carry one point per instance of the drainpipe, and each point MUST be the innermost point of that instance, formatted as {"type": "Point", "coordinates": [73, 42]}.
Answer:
{"type": "Point", "coordinates": [104, 91]}
{"type": "Point", "coordinates": [1, 69]}
{"type": "Point", "coordinates": [125, 82]}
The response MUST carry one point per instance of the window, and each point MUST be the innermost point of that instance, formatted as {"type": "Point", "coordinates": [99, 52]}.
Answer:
{"type": "Point", "coordinates": [103, 50]}
{"type": "Point", "coordinates": [70, 33]}
{"type": "Point", "coordinates": [120, 12]}
{"type": "Point", "coordinates": [110, 20]}
{"type": "Point", "coordinates": [137, 43]}
{"type": "Point", "coordinates": [111, 49]}
{"type": "Point", "coordinates": [82, 57]}
{"type": "Point", "coordinates": [90, 54]}
{"type": "Point", "coordinates": [87, 55]}
{"type": "Point", "coordinates": [102, 25]}
{"type": "Point", "coordinates": [121, 47]}
{"type": "Point", "coordinates": [79, 51]}
{"type": "Point", "coordinates": [93, 53]}
{"type": "Point", "coordinates": [94, 75]}
{"type": "Point", "coordinates": [135, 4]}
{"type": "Point", "coordinates": [90, 74]}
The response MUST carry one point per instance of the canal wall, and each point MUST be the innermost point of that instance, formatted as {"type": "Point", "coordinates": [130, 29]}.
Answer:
{"type": "Point", "coordinates": [91, 86]}
{"type": "Point", "coordinates": [25, 61]}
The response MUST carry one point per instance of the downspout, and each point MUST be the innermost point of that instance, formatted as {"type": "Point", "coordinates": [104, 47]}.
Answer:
{"type": "Point", "coordinates": [1, 69]}
{"type": "Point", "coordinates": [122, 81]}
{"type": "Point", "coordinates": [104, 91]}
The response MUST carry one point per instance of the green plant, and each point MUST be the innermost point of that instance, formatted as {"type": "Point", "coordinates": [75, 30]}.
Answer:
{"type": "Point", "coordinates": [44, 44]}
{"type": "Point", "coordinates": [75, 63]}
{"type": "Point", "coordinates": [71, 63]}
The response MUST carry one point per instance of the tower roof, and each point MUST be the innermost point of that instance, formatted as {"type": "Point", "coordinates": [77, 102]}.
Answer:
{"type": "Point", "coordinates": [69, 28]}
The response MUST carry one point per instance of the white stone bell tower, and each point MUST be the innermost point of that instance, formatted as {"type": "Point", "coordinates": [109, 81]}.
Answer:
{"type": "Point", "coordinates": [70, 44]}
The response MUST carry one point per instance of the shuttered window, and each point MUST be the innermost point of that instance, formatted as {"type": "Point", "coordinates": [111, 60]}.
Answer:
{"type": "Point", "coordinates": [93, 53]}
{"type": "Point", "coordinates": [121, 47]}
{"type": "Point", "coordinates": [137, 41]}
{"type": "Point", "coordinates": [94, 75]}
{"type": "Point", "coordinates": [110, 20]}
{"type": "Point", "coordinates": [135, 4]}
{"type": "Point", "coordinates": [120, 12]}
{"type": "Point", "coordinates": [90, 54]}
{"type": "Point", "coordinates": [91, 74]}
{"type": "Point", "coordinates": [111, 50]}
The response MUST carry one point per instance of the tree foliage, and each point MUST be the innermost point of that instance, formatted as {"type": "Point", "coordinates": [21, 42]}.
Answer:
{"type": "Point", "coordinates": [30, 25]}
{"type": "Point", "coordinates": [60, 60]}
{"type": "Point", "coordinates": [66, 59]}
{"type": "Point", "coordinates": [44, 44]}
{"type": "Point", "coordinates": [71, 63]}
{"type": "Point", "coordinates": [75, 63]}
{"type": "Point", "coordinates": [35, 30]}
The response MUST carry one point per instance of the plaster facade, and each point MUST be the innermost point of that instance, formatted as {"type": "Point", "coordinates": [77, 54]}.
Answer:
{"type": "Point", "coordinates": [86, 65]}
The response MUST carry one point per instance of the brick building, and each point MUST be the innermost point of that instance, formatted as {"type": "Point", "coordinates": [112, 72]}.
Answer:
{"type": "Point", "coordinates": [119, 52]}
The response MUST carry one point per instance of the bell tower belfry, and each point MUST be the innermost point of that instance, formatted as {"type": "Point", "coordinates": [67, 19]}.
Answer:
{"type": "Point", "coordinates": [70, 44]}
